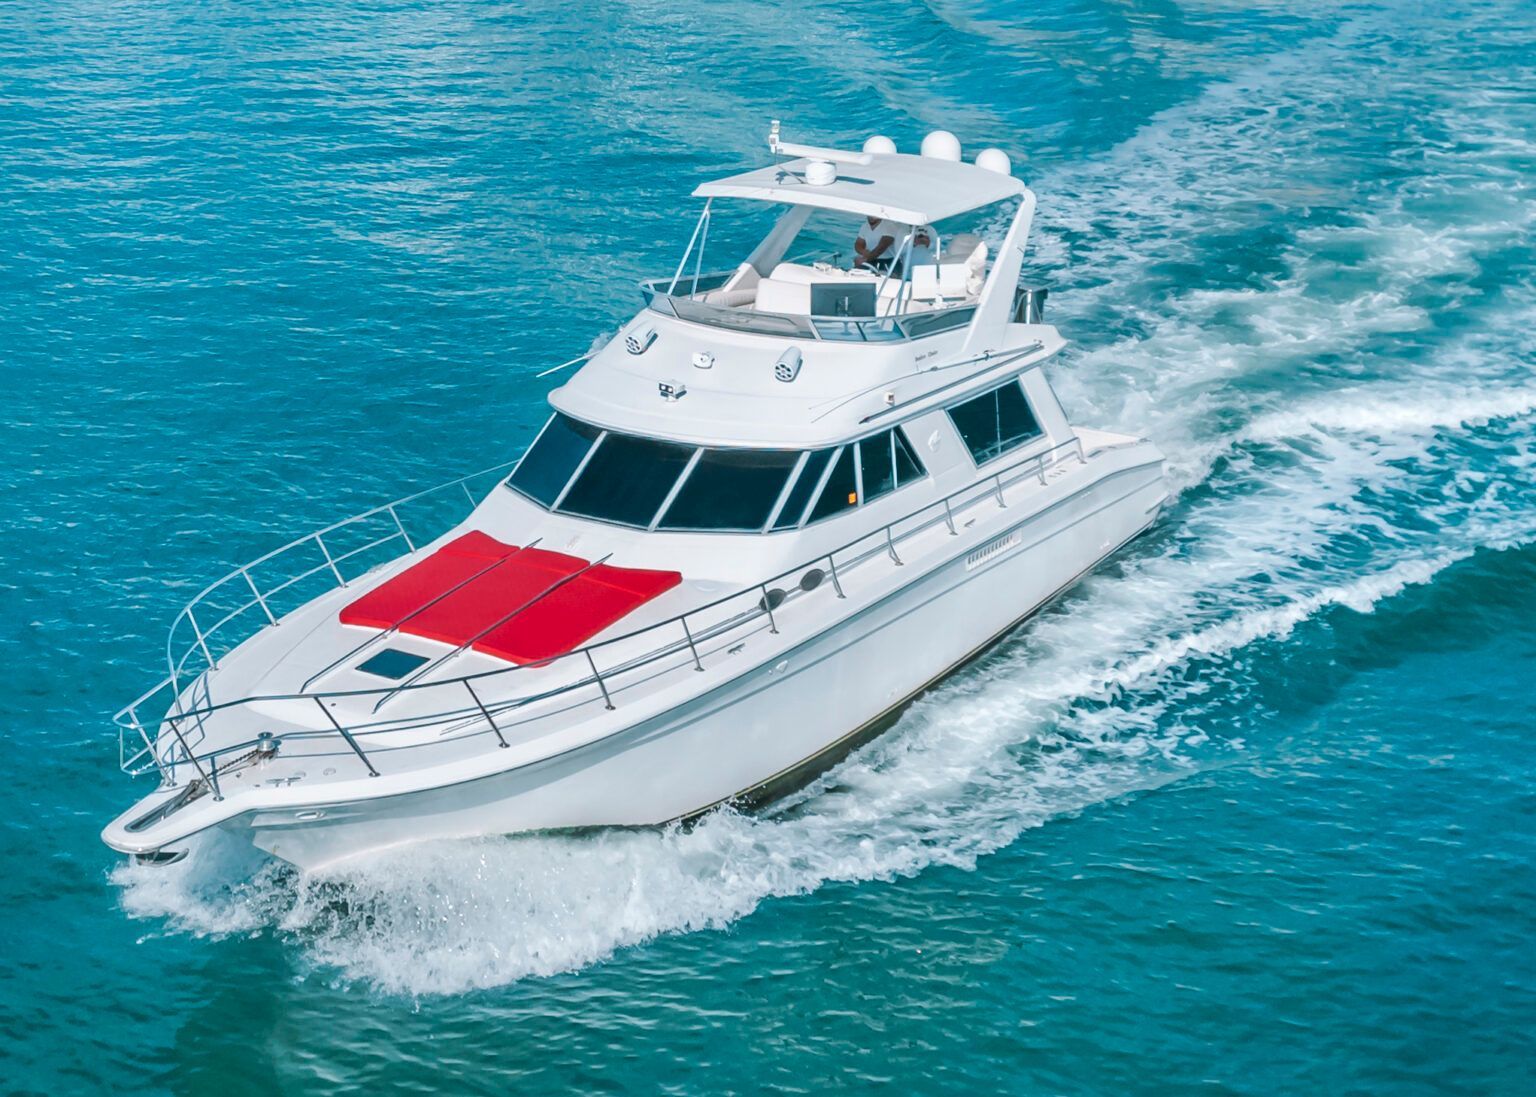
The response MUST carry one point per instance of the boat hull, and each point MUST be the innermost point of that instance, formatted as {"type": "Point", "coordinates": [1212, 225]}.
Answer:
{"type": "Point", "coordinates": [769, 728]}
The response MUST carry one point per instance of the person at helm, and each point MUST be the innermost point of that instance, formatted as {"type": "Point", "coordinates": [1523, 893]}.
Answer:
{"type": "Point", "coordinates": [876, 243]}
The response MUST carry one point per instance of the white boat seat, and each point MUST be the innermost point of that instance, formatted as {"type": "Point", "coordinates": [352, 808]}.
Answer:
{"type": "Point", "coordinates": [958, 247]}
{"type": "Point", "coordinates": [774, 295]}
{"type": "Point", "coordinates": [788, 288]}
{"type": "Point", "coordinates": [933, 281]}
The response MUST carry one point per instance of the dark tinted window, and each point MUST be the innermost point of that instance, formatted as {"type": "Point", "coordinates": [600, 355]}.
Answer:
{"type": "Point", "coordinates": [805, 487]}
{"type": "Point", "coordinates": [888, 461]}
{"type": "Point", "coordinates": [878, 464]}
{"type": "Point", "coordinates": [732, 489]}
{"type": "Point", "coordinates": [626, 480]}
{"type": "Point", "coordinates": [908, 466]}
{"type": "Point", "coordinates": [545, 468]}
{"type": "Point", "coordinates": [842, 490]}
{"type": "Point", "coordinates": [995, 422]}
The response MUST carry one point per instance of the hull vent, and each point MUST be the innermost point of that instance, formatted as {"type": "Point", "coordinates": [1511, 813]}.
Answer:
{"type": "Point", "coordinates": [986, 552]}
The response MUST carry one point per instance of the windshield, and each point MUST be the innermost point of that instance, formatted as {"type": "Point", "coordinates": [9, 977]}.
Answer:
{"type": "Point", "coordinates": [575, 468]}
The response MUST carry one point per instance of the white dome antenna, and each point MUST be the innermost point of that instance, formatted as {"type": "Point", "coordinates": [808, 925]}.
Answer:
{"type": "Point", "coordinates": [880, 145]}
{"type": "Point", "coordinates": [820, 173]}
{"type": "Point", "coordinates": [994, 160]}
{"type": "Point", "coordinates": [941, 145]}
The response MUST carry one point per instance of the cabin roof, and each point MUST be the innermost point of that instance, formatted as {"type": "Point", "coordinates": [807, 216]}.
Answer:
{"type": "Point", "coordinates": [914, 190]}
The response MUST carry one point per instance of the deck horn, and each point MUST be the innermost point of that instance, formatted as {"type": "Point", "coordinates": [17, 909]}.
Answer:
{"type": "Point", "coordinates": [787, 368]}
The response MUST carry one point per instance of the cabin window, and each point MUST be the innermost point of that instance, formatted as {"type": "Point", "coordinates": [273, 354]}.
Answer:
{"type": "Point", "coordinates": [995, 422]}
{"type": "Point", "coordinates": [805, 487]}
{"type": "Point", "coordinates": [626, 480]}
{"type": "Point", "coordinates": [557, 452]}
{"type": "Point", "coordinates": [887, 462]}
{"type": "Point", "coordinates": [842, 490]}
{"type": "Point", "coordinates": [731, 489]}
{"type": "Point", "coordinates": [574, 468]}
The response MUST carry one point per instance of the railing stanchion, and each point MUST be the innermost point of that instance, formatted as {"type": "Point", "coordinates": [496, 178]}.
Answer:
{"type": "Point", "coordinates": [260, 601]}
{"type": "Point", "coordinates": [185, 749]}
{"type": "Point", "coordinates": [837, 584]}
{"type": "Point", "coordinates": [401, 527]}
{"type": "Point", "coordinates": [697, 665]}
{"type": "Point", "coordinates": [467, 493]}
{"type": "Point", "coordinates": [890, 546]}
{"type": "Point", "coordinates": [1082, 457]}
{"type": "Point", "coordinates": [591, 662]}
{"type": "Point", "coordinates": [198, 632]}
{"type": "Point", "coordinates": [347, 735]}
{"type": "Point", "coordinates": [949, 519]}
{"type": "Point", "coordinates": [998, 481]}
{"type": "Point", "coordinates": [334, 569]}
{"type": "Point", "coordinates": [773, 626]}
{"type": "Point", "coordinates": [213, 778]}
{"type": "Point", "coordinates": [485, 712]}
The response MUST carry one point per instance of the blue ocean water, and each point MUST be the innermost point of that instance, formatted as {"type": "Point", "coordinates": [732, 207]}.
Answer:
{"type": "Point", "coordinates": [1253, 811]}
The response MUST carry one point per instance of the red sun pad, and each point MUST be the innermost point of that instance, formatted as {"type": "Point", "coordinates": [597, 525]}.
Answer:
{"type": "Point", "coordinates": [518, 580]}
{"type": "Point", "coordinates": [530, 604]}
{"type": "Point", "coordinates": [387, 604]}
{"type": "Point", "coordinates": [574, 612]}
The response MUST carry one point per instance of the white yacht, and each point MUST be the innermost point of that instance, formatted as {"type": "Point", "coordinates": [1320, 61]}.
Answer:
{"type": "Point", "coordinates": [789, 496]}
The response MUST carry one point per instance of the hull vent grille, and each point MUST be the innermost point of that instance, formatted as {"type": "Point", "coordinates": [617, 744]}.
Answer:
{"type": "Point", "coordinates": [986, 552]}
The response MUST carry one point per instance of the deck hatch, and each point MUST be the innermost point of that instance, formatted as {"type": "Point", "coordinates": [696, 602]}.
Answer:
{"type": "Point", "coordinates": [391, 663]}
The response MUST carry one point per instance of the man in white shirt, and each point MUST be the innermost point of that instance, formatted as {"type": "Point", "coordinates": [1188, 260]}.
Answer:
{"type": "Point", "coordinates": [876, 243]}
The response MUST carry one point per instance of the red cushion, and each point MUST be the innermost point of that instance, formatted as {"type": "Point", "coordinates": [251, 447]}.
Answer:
{"type": "Point", "coordinates": [398, 597]}
{"type": "Point", "coordinates": [475, 581]}
{"type": "Point", "coordinates": [573, 613]}
{"type": "Point", "coordinates": [475, 543]}
{"type": "Point", "coordinates": [516, 581]}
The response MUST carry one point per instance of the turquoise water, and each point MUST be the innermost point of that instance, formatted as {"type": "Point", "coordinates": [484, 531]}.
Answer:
{"type": "Point", "coordinates": [1251, 812]}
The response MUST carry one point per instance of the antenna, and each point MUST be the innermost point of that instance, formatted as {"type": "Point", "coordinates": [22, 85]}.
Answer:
{"type": "Point", "coordinates": [811, 152]}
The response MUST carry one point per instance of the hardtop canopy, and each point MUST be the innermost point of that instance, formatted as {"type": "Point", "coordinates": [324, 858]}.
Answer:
{"type": "Point", "coordinates": [913, 190]}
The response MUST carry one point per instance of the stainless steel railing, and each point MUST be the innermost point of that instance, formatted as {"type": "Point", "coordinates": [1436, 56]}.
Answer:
{"type": "Point", "coordinates": [189, 708]}
{"type": "Point", "coordinates": [203, 621]}
{"type": "Point", "coordinates": [840, 329]}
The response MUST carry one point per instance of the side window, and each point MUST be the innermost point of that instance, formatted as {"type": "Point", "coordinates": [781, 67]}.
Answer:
{"type": "Point", "coordinates": [627, 480]}
{"type": "Point", "coordinates": [995, 422]}
{"type": "Point", "coordinates": [909, 466]}
{"type": "Point", "coordinates": [842, 490]}
{"type": "Point", "coordinates": [888, 461]}
{"type": "Point", "coordinates": [805, 486]}
{"type": "Point", "coordinates": [878, 464]}
{"type": "Point", "coordinates": [731, 489]}
{"type": "Point", "coordinates": [547, 466]}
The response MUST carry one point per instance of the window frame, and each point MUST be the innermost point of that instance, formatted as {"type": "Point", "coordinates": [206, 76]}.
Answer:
{"type": "Point", "coordinates": [775, 515]}
{"type": "Point", "coordinates": [801, 456]}
{"type": "Point", "coordinates": [858, 470]}
{"type": "Point", "coordinates": [1018, 382]}
{"type": "Point", "coordinates": [592, 453]}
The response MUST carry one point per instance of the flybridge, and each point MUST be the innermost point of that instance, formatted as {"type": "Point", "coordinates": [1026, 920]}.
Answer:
{"type": "Point", "coordinates": [909, 266]}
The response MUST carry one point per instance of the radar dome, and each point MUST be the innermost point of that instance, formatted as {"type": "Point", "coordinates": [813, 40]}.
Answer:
{"type": "Point", "coordinates": [820, 173]}
{"type": "Point", "coordinates": [941, 145]}
{"type": "Point", "coordinates": [881, 144]}
{"type": "Point", "coordinates": [994, 160]}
